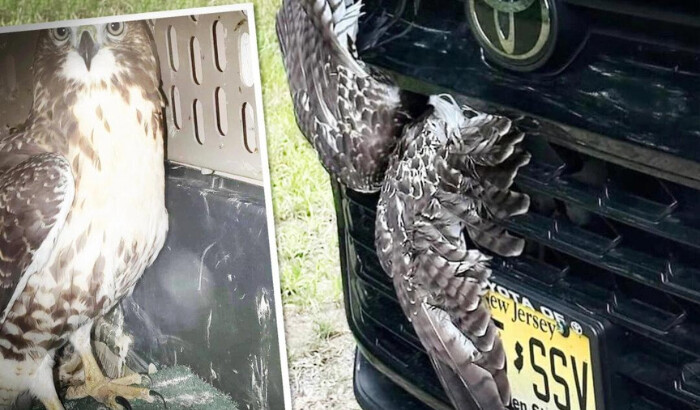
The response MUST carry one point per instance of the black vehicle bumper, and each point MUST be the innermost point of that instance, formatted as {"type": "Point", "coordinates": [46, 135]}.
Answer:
{"type": "Point", "coordinates": [620, 251]}
{"type": "Point", "coordinates": [375, 389]}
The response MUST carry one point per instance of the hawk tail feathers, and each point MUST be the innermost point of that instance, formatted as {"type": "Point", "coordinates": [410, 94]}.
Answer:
{"type": "Point", "coordinates": [469, 384]}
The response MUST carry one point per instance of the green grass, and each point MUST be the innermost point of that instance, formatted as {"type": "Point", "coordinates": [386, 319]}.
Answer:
{"type": "Point", "coordinates": [325, 330]}
{"type": "Point", "coordinates": [304, 215]}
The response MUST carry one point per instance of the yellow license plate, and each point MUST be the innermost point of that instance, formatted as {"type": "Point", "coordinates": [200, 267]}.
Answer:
{"type": "Point", "coordinates": [549, 361]}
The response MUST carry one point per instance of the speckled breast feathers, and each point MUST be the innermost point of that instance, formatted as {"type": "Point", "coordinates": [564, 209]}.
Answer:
{"type": "Point", "coordinates": [81, 189]}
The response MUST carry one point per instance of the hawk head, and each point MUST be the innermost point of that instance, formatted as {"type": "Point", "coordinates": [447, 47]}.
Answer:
{"type": "Point", "coordinates": [96, 55]}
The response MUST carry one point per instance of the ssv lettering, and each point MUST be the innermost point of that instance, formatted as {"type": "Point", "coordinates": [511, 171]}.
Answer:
{"type": "Point", "coordinates": [560, 366]}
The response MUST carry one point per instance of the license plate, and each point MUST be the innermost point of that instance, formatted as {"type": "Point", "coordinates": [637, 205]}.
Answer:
{"type": "Point", "coordinates": [549, 356]}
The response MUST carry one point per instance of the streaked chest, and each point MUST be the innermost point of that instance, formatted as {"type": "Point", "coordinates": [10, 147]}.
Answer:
{"type": "Point", "coordinates": [117, 223]}
{"type": "Point", "coordinates": [118, 220]}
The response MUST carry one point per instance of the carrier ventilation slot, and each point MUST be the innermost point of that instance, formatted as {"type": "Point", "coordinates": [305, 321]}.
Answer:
{"type": "Point", "coordinates": [211, 98]}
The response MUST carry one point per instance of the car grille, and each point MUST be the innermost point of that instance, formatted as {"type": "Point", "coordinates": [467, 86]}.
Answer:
{"type": "Point", "coordinates": [614, 228]}
{"type": "Point", "coordinates": [616, 244]}
{"type": "Point", "coordinates": [374, 313]}
{"type": "Point", "coordinates": [633, 80]}
{"type": "Point", "coordinates": [679, 13]}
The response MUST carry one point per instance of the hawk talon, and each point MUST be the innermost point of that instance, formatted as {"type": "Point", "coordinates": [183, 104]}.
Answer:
{"type": "Point", "coordinates": [123, 402]}
{"type": "Point", "coordinates": [114, 393]}
{"type": "Point", "coordinates": [155, 393]}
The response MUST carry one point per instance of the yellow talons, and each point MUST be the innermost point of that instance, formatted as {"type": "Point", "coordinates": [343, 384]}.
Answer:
{"type": "Point", "coordinates": [107, 391]}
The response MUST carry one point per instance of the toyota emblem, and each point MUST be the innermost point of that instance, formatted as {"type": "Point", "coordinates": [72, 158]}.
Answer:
{"type": "Point", "coordinates": [518, 34]}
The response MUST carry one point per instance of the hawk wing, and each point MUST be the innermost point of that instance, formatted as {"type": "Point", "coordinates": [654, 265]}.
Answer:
{"type": "Point", "coordinates": [36, 195]}
{"type": "Point", "coordinates": [451, 183]}
{"type": "Point", "coordinates": [352, 118]}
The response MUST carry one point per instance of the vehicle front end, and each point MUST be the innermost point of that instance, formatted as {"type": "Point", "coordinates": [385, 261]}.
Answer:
{"type": "Point", "coordinates": [602, 310]}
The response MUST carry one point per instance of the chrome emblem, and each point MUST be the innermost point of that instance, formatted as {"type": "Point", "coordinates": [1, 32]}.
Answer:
{"type": "Point", "coordinates": [518, 31]}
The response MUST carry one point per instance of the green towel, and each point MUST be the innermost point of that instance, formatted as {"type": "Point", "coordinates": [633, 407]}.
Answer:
{"type": "Point", "coordinates": [181, 388]}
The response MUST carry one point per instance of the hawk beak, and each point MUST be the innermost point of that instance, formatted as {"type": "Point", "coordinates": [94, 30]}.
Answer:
{"type": "Point", "coordinates": [87, 48]}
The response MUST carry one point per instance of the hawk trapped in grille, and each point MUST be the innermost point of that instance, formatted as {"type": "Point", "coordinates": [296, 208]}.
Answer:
{"type": "Point", "coordinates": [445, 178]}
{"type": "Point", "coordinates": [81, 204]}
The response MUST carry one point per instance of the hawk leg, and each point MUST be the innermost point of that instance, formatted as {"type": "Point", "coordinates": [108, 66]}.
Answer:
{"type": "Point", "coordinates": [114, 393]}
{"type": "Point", "coordinates": [111, 346]}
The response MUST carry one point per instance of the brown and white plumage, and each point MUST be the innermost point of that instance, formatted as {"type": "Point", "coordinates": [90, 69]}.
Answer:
{"type": "Point", "coordinates": [449, 183]}
{"type": "Point", "coordinates": [82, 204]}
{"type": "Point", "coordinates": [351, 115]}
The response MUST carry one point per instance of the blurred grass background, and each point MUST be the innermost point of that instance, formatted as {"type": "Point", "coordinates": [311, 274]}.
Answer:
{"type": "Point", "coordinates": [320, 347]}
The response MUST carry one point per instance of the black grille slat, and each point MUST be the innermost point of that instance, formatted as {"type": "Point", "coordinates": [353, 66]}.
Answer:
{"type": "Point", "coordinates": [682, 338]}
{"type": "Point", "coordinates": [370, 264]}
{"type": "Point", "coordinates": [672, 11]}
{"type": "Point", "coordinates": [639, 314]}
{"type": "Point", "coordinates": [591, 237]}
{"type": "Point", "coordinates": [689, 383]}
{"type": "Point", "coordinates": [547, 273]}
{"type": "Point", "coordinates": [625, 206]}
{"type": "Point", "coordinates": [371, 303]}
{"type": "Point", "coordinates": [561, 235]}
{"type": "Point", "coordinates": [599, 299]}
{"type": "Point", "coordinates": [625, 262]}
{"type": "Point", "coordinates": [545, 176]}
{"type": "Point", "coordinates": [657, 374]}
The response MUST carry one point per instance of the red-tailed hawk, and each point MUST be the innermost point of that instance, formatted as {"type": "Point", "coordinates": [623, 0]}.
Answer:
{"type": "Point", "coordinates": [448, 181]}
{"type": "Point", "coordinates": [82, 204]}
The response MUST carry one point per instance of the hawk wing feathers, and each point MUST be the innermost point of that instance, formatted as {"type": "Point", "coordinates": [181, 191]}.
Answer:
{"type": "Point", "coordinates": [35, 198]}
{"type": "Point", "coordinates": [448, 184]}
{"type": "Point", "coordinates": [351, 117]}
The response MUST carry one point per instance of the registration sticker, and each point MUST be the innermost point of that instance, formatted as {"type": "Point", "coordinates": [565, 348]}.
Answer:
{"type": "Point", "coordinates": [549, 358]}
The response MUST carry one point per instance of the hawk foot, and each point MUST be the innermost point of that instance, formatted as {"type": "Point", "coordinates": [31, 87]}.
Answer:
{"type": "Point", "coordinates": [114, 393]}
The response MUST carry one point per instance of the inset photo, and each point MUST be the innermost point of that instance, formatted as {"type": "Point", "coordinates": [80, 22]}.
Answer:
{"type": "Point", "coordinates": [137, 259]}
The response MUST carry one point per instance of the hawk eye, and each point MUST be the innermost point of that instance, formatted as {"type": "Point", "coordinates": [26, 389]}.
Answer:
{"type": "Point", "coordinates": [60, 34]}
{"type": "Point", "coordinates": [115, 29]}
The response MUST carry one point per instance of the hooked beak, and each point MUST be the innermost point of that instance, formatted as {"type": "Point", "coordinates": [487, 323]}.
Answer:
{"type": "Point", "coordinates": [87, 48]}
